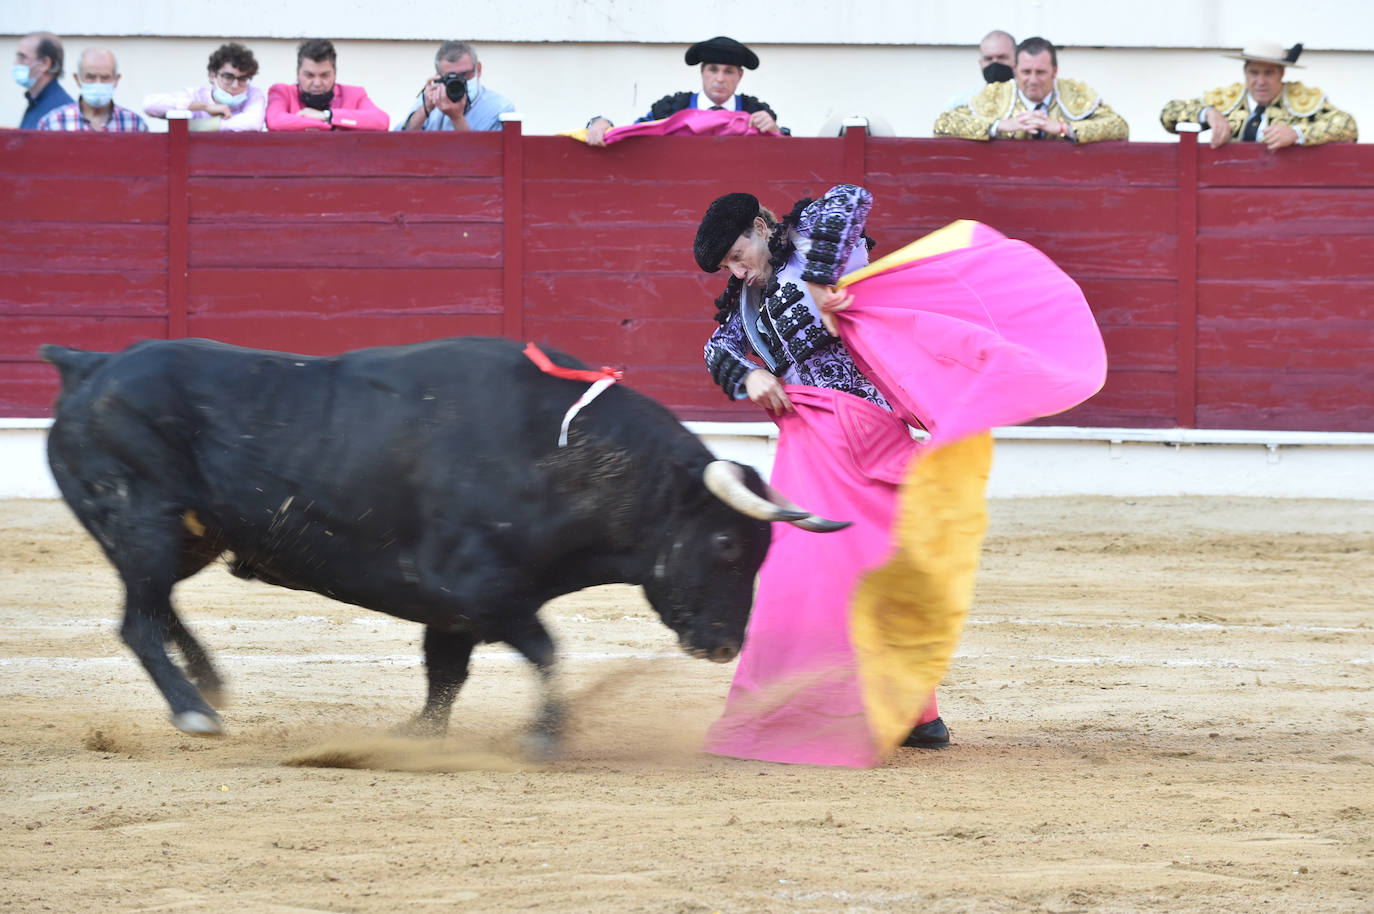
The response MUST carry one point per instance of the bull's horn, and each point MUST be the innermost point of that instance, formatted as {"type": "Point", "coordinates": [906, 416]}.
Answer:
{"type": "Point", "coordinates": [810, 522]}
{"type": "Point", "coordinates": [725, 480]}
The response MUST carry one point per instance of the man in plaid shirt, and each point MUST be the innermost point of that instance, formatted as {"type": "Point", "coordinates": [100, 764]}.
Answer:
{"type": "Point", "coordinates": [97, 75]}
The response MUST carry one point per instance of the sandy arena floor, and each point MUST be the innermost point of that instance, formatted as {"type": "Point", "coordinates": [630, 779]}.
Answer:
{"type": "Point", "coordinates": [1158, 705]}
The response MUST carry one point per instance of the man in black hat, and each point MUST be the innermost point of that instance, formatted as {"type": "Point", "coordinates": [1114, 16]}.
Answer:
{"type": "Point", "coordinates": [723, 62]}
{"type": "Point", "coordinates": [1265, 108]}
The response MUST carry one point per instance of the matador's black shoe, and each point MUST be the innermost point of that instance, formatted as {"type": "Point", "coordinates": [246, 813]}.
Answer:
{"type": "Point", "coordinates": [933, 734]}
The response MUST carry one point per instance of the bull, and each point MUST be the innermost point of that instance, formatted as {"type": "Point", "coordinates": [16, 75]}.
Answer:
{"type": "Point", "coordinates": [424, 481]}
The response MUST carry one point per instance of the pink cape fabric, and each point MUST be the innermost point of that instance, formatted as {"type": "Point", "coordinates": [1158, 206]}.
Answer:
{"type": "Point", "coordinates": [795, 696]}
{"type": "Point", "coordinates": [989, 334]}
{"type": "Point", "coordinates": [691, 122]}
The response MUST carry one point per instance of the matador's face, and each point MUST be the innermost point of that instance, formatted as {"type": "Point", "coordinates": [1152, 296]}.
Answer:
{"type": "Point", "coordinates": [748, 258]}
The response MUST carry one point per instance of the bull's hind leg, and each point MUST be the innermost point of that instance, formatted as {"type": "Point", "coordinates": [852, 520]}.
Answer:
{"type": "Point", "coordinates": [195, 555]}
{"type": "Point", "coordinates": [446, 666]}
{"type": "Point", "coordinates": [147, 552]}
{"type": "Point", "coordinates": [534, 644]}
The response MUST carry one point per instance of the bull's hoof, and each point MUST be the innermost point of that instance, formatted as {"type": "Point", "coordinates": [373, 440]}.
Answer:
{"type": "Point", "coordinates": [541, 746]}
{"type": "Point", "coordinates": [197, 723]}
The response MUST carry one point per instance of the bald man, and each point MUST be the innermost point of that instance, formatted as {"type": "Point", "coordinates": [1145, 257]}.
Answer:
{"type": "Point", "coordinates": [996, 54]}
{"type": "Point", "coordinates": [96, 76]}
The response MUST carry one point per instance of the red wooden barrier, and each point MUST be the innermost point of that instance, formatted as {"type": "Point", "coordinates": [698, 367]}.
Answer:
{"type": "Point", "coordinates": [1233, 286]}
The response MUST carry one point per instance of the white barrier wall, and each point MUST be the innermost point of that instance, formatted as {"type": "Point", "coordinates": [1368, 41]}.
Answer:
{"type": "Point", "coordinates": [561, 62]}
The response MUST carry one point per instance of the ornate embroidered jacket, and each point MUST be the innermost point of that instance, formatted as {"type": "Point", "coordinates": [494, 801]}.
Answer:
{"type": "Point", "coordinates": [1304, 108]}
{"type": "Point", "coordinates": [1075, 103]}
{"type": "Point", "coordinates": [786, 322]}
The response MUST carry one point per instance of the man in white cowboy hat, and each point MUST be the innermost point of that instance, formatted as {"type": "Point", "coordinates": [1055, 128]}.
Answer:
{"type": "Point", "coordinates": [1264, 108]}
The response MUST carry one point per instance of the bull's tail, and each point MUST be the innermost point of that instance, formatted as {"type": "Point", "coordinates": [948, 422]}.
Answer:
{"type": "Point", "coordinates": [73, 365]}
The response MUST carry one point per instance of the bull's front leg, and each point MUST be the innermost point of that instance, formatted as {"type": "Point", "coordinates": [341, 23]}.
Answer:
{"type": "Point", "coordinates": [545, 738]}
{"type": "Point", "coordinates": [446, 667]}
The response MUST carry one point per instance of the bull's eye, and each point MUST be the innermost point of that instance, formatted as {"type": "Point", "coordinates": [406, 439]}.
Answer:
{"type": "Point", "coordinates": [727, 546]}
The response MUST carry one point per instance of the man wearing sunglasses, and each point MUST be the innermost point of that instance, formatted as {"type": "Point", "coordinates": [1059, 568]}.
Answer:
{"type": "Point", "coordinates": [228, 95]}
{"type": "Point", "coordinates": [454, 98]}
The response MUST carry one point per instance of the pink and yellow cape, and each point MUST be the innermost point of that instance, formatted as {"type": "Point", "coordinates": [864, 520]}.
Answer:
{"type": "Point", "coordinates": [692, 122]}
{"type": "Point", "coordinates": [962, 330]}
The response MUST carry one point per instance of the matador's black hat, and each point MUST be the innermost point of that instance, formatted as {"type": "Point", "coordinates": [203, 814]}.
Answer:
{"type": "Point", "coordinates": [726, 219]}
{"type": "Point", "coordinates": [722, 50]}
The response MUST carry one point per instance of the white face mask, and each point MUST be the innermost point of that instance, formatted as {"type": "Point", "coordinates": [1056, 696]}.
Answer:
{"type": "Point", "coordinates": [224, 98]}
{"type": "Point", "coordinates": [474, 87]}
{"type": "Point", "coordinates": [97, 95]}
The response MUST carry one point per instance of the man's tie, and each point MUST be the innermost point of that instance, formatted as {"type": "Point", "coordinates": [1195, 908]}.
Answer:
{"type": "Point", "coordinates": [717, 108]}
{"type": "Point", "coordinates": [1252, 126]}
{"type": "Point", "coordinates": [1040, 134]}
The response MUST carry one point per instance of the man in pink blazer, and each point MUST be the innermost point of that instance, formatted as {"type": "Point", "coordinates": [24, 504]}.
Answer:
{"type": "Point", "coordinates": [316, 101]}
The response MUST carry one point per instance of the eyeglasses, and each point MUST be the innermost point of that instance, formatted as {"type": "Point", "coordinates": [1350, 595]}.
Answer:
{"type": "Point", "coordinates": [232, 79]}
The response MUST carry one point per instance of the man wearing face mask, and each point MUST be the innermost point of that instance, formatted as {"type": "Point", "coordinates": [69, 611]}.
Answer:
{"type": "Point", "coordinates": [457, 71]}
{"type": "Point", "coordinates": [996, 52]}
{"type": "Point", "coordinates": [97, 75]}
{"type": "Point", "coordinates": [229, 95]}
{"type": "Point", "coordinates": [316, 101]}
{"type": "Point", "coordinates": [38, 69]}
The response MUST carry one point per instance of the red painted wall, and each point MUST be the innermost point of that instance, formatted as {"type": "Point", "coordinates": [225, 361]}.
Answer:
{"type": "Point", "coordinates": [1234, 287]}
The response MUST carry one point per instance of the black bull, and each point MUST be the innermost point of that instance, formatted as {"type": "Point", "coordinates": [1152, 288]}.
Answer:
{"type": "Point", "coordinates": [422, 481]}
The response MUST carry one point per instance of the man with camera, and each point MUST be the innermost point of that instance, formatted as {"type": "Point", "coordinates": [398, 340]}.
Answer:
{"type": "Point", "coordinates": [454, 98]}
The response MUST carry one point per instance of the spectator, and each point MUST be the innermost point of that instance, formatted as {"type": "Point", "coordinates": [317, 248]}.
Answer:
{"type": "Point", "coordinates": [38, 68]}
{"type": "Point", "coordinates": [316, 101]}
{"type": "Point", "coordinates": [996, 53]}
{"type": "Point", "coordinates": [723, 62]}
{"type": "Point", "coordinates": [228, 95]}
{"type": "Point", "coordinates": [97, 75]}
{"type": "Point", "coordinates": [476, 108]}
{"type": "Point", "coordinates": [1265, 109]}
{"type": "Point", "coordinates": [1035, 105]}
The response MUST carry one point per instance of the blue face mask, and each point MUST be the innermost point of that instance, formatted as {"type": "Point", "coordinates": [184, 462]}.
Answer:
{"type": "Point", "coordinates": [23, 75]}
{"type": "Point", "coordinates": [474, 87]}
{"type": "Point", "coordinates": [224, 98]}
{"type": "Point", "coordinates": [97, 95]}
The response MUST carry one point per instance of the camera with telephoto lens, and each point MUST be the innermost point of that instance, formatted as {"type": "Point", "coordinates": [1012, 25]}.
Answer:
{"type": "Point", "coordinates": [455, 85]}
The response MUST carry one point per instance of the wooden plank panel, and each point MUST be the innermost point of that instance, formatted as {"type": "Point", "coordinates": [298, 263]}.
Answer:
{"type": "Point", "coordinates": [632, 342]}
{"type": "Point", "coordinates": [1009, 207]}
{"type": "Point", "coordinates": [266, 293]}
{"type": "Point", "coordinates": [43, 198]}
{"type": "Point", "coordinates": [1237, 213]}
{"type": "Point", "coordinates": [20, 337]}
{"type": "Point", "coordinates": [124, 293]}
{"type": "Point", "coordinates": [733, 161]}
{"type": "Point", "coordinates": [1130, 347]}
{"type": "Point", "coordinates": [1334, 347]}
{"type": "Point", "coordinates": [27, 389]}
{"type": "Point", "coordinates": [340, 333]}
{"type": "Point", "coordinates": [610, 296]}
{"type": "Point", "coordinates": [622, 248]}
{"type": "Point", "coordinates": [1307, 298]}
{"type": "Point", "coordinates": [891, 159]}
{"type": "Point", "coordinates": [346, 244]}
{"type": "Point", "coordinates": [375, 199]}
{"type": "Point", "coordinates": [82, 247]}
{"type": "Point", "coordinates": [1252, 165]}
{"type": "Point", "coordinates": [1083, 255]}
{"type": "Point", "coordinates": [1295, 400]}
{"type": "Point", "coordinates": [1277, 259]}
{"type": "Point", "coordinates": [1130, 398]}
{"type": "Point", "coordinates": [1140, 302]}
{"type": "Point", "coordinates": [666, 201]}
{"type": "Point", "coordinates": [37, 154]}
{"type": "Point", "coordinates": [338, 153]}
